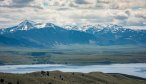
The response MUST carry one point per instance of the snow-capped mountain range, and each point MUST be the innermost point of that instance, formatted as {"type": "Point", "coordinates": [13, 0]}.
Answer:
{"type": "Point", "coordinates": [27, 25]}
{"type": "Point", "coordinates": [32, 34]}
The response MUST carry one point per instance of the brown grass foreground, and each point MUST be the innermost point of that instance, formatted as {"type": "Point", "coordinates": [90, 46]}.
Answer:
{"type": "Point", "coordinates": [57, 77]}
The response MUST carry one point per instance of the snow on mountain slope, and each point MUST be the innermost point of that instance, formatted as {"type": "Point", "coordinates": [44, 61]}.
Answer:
{"type": "Point", "coordinates": [49, 34]}
{"type": "Point", "coordinates": [27, 25]}
{"type": "Point", "coordinates": [45, 35]}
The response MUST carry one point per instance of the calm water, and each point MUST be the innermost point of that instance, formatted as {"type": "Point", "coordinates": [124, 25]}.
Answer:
{"type": "Point", "coordinates": [138, 69]}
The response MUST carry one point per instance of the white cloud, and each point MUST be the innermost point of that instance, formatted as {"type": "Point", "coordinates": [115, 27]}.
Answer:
{"type": "Point", "coordinates": [122, 12]}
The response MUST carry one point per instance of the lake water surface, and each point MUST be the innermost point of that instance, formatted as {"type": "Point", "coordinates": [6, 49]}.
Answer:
{"type": "Point", "coordinates": [138, 69]}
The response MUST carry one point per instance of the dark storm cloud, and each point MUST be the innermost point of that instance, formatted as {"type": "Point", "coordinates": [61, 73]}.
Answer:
{"type": "Point", "coordinates": [17, 3]}
{"type": "Point", "coordinates": [121, 17]}
{"type": "Point", "coordinates": [128, 12]}
{"type": "Point", "coordinates": [22, 1]}
{"type": "Point", "coordinates": [140, 23]}
{"type": "Point", "coordinates": [140, 16]}
{"type": "Point", "coordinates": [81, 2]}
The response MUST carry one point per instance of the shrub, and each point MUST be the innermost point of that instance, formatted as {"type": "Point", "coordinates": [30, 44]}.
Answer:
{"type": "Point", "coordinates": [43, 72]}
{"type": "Point", "coordinates": [83, 75]}
{"type": "Point", "coordinates": [73, 73]}
{"type": "Point", "coordinates": [49, 83]}
{"type": "Point", "coordinates": [17, 82]}
{"type": "Point", "coordinates": [48, 74]}
{"type": "Point", "coordinates": [1, 80]}
{"type": "Point", "coordinates": [9, 82]}
{"type": "Point", "coordinates": [60, 76]}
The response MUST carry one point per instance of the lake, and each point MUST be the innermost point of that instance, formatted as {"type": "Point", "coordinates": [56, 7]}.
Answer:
{"type": "Point", "coordinates": [136, 69]}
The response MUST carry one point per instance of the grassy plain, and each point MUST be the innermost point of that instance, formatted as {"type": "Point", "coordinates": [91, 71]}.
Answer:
{"type": "Point", "coordinates": [74, 54]}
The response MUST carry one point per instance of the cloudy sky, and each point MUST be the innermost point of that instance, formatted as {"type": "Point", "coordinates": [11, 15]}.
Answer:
{"type": "Point", "coordinates": [130, 13]}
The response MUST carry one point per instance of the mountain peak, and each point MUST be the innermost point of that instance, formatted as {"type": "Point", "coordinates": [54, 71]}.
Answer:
{"type": "Point", "coordinates": [26, 25]}
{"type": "Point", "coordinates": [107, 28]}
{"type": "Point", "coordinates": [71, 27]}
{"type": "Point", "coordinates": [45, 25]}
{"type": "Point", "coordinates": [49, 25]}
